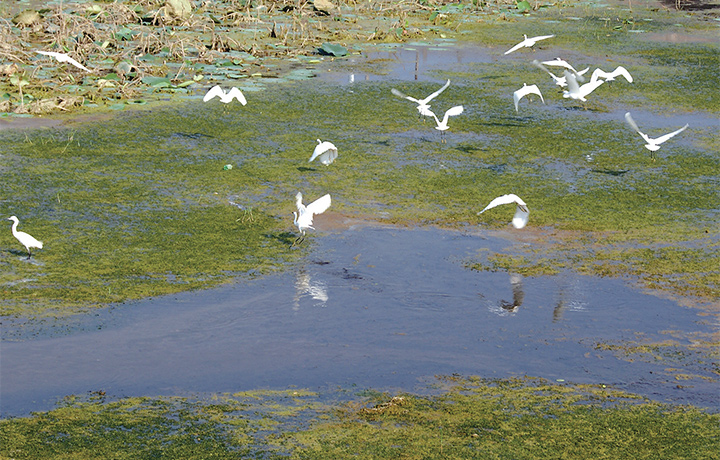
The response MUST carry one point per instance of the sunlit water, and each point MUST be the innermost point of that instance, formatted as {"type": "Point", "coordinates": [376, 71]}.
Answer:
{"type": "Point", "coordinates": [369, 307]}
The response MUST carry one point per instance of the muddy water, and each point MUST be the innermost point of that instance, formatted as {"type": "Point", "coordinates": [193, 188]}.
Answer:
{"type": "Point", "coordinates": [378, 307]}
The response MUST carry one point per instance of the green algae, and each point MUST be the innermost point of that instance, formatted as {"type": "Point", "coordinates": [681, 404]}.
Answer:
{"type": "Point", "coordinates": [465, 418]}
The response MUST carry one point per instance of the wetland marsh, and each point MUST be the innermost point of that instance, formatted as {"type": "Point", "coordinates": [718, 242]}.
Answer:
{"type": "Point", "coordinates": [168, 299]}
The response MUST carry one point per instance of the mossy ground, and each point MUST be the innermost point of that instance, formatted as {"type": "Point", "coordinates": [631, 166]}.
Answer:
{"type": "Point", "coordinates": [467, 418]}
{"type": "Point", "coordinates": [139, 205]}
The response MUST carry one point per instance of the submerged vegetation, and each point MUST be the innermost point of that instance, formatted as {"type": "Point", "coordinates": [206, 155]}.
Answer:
{"type": "Point", "coordinates": [469, 418]}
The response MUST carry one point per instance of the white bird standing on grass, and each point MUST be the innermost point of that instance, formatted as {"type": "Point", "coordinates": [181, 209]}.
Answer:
{"type": "Point", "coordinates": [217, 91]}
{"type": "Point", "coordinates": [652, 144]}
{"type": "Point", "coordinates": [442, 125]}
{"type": "Point", "coordinates": [577, 92]}
{"type": "Point", "coordinates": [423, 105]}
{"type": "Point", "coordinates": [528, 42]}
{"type": "Point", "coordinates": [25, 239]}
{"type": "Point", "coordinates": [522, 213]}
{"type": "Point", "coordinates": [326, 151]}
{"type": "Point", "coordinates": [304, 216]}
{"type": "Point", "coordinates": [524, 91]}
{"type": "Point", "coordinates": [610, 76]}
{"type": "Point", "coordinates": [62, 57]}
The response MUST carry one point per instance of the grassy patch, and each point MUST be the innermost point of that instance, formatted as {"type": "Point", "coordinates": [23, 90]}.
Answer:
{"type": "Point", "coordinates": [469, 418]}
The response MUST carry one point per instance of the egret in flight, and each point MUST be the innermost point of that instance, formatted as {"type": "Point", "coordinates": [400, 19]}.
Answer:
{"type": "Point", "coordinates": [560, 81]}
{"type": "Point", "coordinates": [442, 125]}
{"type": "Point", "coordinates": [528, 42]}
{"type": "Point", "coordinates": [577, 92]}
{"type": "Point", "coordinates": [652, 144]}
{"type": "Point", "coordinates": [524, 91]}
{"type": "Point", "coordinates": [610, 76]}
{"type": "Point", "coordinates": [217, 91]}
{"type": "Point", "coordinates": [522, 213]}
{"type": "Point", "coordinates": [557, 62]}
{"type": "Point", "coordinates": [62, 57]}
{"type": "Point", "coordinates": [25, 239]}
{"type": "Point", "coordinates": [423, 105]}
{"type": "Point", "coordinates": [326, 151]}
{"type": "Point", "coordinates": [304, 216]}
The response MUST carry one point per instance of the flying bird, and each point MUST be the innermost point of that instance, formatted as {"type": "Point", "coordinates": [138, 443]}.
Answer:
{"type": "Point", "coordinates": [524, 91]}
{"type": "Point", "coordinates": [557, 62]}
{"type": "Point", "coordinates": [326, 151]}
{"type": "Point", "coordinates": [25, 239]}
{"type": "Point", "coordinates": [304, 215]}
{"type": "Point", "coordinates": [652, 144]}
{"type": "Point", "coordinates": [560, 81]}
{"type": "Point", "coordinates": [62, 57]}
{"type": "Point", "coordinates": [423, 105]}
{"type": "Point", "coordinates": [522, 213]}
{"type": "Point", "coordinates": [610, 76]}
{"type": "Point", "coordinates": [528, 42]}
{"type": "Point", "coordinates": [217, 91]}
{"type": "Point", "coordinates": [577, 92]}
{"type": "Point", "coordinates": [442, 125]}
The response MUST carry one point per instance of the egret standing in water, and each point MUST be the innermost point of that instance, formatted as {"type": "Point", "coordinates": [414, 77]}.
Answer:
{"type": "Point", "coordinates": [442, 125]}
{"type": "Point", "coordinates": [326, 151]}
{"type": "Point", "coordinates": [522, 213]}
{"type": "Point", "coordinates": [26, 240]}
{"type": "Point", "coordinates": [304, 216]}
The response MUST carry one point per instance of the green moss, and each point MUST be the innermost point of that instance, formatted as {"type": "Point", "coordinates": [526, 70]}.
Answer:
{"type": "Point", "coordinates": [469, 418]}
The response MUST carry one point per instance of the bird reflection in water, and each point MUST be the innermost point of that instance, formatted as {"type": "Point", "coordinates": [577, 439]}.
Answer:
{"type": "Point", "coordinates": [571, 297]}
{"type": "Point", "coordinates": [508, 308]}
{"type": "Point", "coordinates": [305, 286]}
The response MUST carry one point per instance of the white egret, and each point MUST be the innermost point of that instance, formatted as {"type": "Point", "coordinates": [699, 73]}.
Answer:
{"type": "Point", "coordinates": [423, 105]}
{"type": "Point", "coordinates": [610, 76]}
{"type": "Point", "coordinates": [528, 42]}
{"type": "Point", "coordinates": [217, 91]}
{"type": "Point", "coordinates": [557, 62]}
{"type": "Point", "coordinates": [442, 125]}
{"type": "Point", "coordinates": [26, 240]}
{"type": "Point", "coordinates": [326, 151]}
{"type": "Point", "coordinates": [577, 92]}
{"type": "Point", "coordinates": [304, 216]}
{"type": "Point", "coordinates": [522, 213]}
{"type": "Point", "coordinates": [652, 144]}
{"type": "Point", "coordinates": [560, 81]}
{"type": "Point", "coordinates": [62, 57]}
{"type": "Point", "coordinates": [524, 91]}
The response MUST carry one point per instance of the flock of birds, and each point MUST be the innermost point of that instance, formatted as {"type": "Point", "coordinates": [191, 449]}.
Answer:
{"type": "Point", "coordinates": [326, 152]}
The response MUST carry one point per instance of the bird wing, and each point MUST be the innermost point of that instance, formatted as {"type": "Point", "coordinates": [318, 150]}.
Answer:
{"type": "Point", "coordinates": [572, 83]}
{"type": "Point", "coordinates": [524, 91]}
{"type": "Point", "coordinates": [664, 138]}
{"type": "Point", "coordinates": [634, 126]}
{"type": "Point", "coordinates": [560, 63]}
{"type": "Point", "coordinates": [558, 80]}
{"type": "Point", "coordinates": [517, 95]}
{"type": "Point", "coordinates": [322, 148]}
{"type": "Point", "coordinates": [453, 111]}
{"type": "Point", "coordinates": [588, 88]}
{"type": "Point", "coordinates": [215, 91]}
{"type": "Point", "coordinates": [620, 70]}
{"type": "Point", "coordinates": [237, 94]}
{"type": "Point", "coordinates": [538, 38]}
{"type": "Point", "coordinates": [505, 199]}
{"type": "Point", "coordinates": [319, 206]}
{"type": "Point", "coordinates": [404, 96]}
{"type": "Point", "coordinates": [72, 61]}
{"type": "Point", "coordinates": [298, 202]}
{"type": "Point", "coordinates": [516, 47]}
{"type": "Point", "coordinates": [597, 74]}
{"type": "Point", "coordinates": [435, 94]}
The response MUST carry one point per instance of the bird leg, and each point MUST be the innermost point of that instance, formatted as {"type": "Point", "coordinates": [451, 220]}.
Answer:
{"type": "Point", "coordinates": [298, 240]}
{"type": "Point", "coordinates": [29, 254]}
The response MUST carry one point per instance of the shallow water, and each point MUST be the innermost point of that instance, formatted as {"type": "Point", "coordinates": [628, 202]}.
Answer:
{"type": "Point", "coordinates": [378, 307]}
